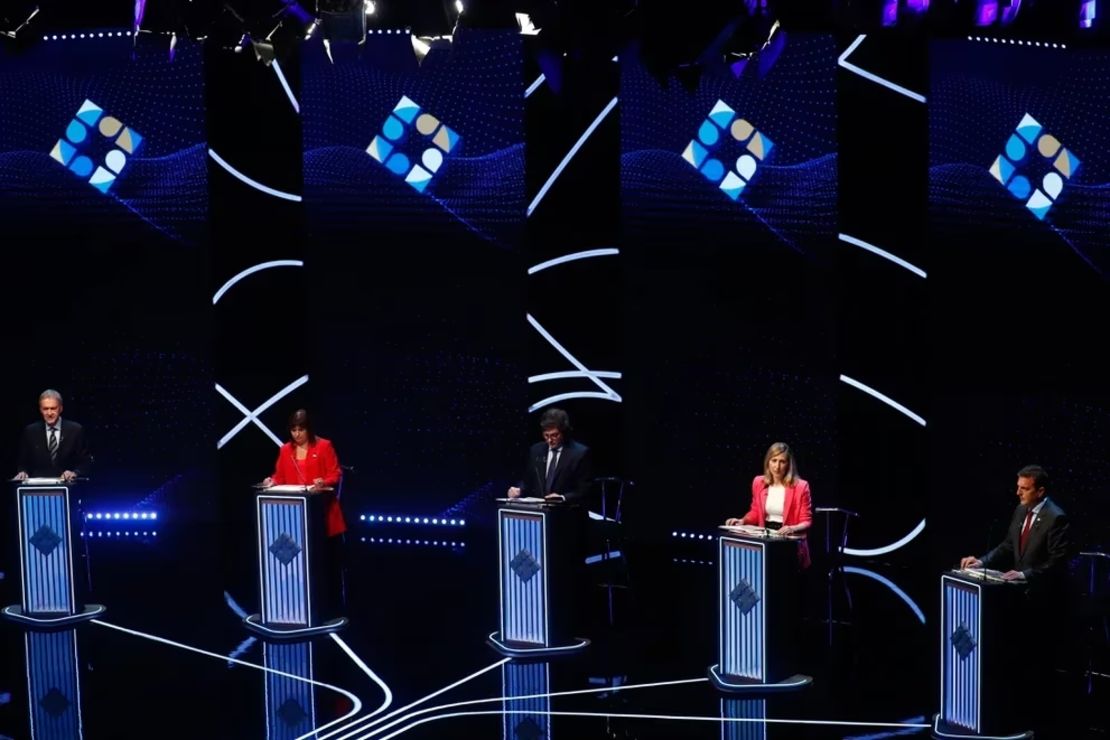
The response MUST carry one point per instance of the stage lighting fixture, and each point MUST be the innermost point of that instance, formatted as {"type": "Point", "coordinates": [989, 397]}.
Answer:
{"type": "Point", "coordinates": [344, 20]}
{"type": "Point", "coordinates": [16, 24]}
{"type": "Point", "coordinates": [422, 45]}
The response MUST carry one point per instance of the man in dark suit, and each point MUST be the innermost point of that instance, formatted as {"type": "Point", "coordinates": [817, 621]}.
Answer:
{"type": "Point", "coordinates": [558, 468]}
{"type": "Point", "coordinates": [54, 447]}
{"type": "Point", "coordinates": [1037, 546]}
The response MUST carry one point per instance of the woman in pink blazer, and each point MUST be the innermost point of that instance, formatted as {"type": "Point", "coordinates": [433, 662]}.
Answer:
{"type": "Point", "coordinates": [780, 499]}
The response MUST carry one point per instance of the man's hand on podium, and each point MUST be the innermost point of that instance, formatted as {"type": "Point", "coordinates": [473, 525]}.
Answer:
{"type": "Point", "coordinates": [1013, 575]}
{"type": "Point", "coordinates": [21, 475]}
{"type": "Point", "coordinates": [68, 475]}
{"type": "Point", "coordinates": [267, 482]}
{"type": "Point", "coordinates": [555, 497]}
{"type": "Point", "coordinates": [514, 492]}
{"type": "Point", "coordinates": [970, 562]}
{"type": "Point", "coordinates": [733, 521]}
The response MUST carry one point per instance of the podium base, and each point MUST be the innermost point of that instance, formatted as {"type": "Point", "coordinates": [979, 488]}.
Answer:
{"type": "Point", "coordinates": [946, 731]}
{"type": "Point", "coordinates": [292, 632]}
{"type": "Point", "coordinates": [16, 614]}
{"type": "Point", "coordinates": [522, 650]}
{"type": "Point", "coordinates": [740, 685]}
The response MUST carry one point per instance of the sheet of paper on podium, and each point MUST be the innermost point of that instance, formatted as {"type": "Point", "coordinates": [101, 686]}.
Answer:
{"type": "Point", "coordinates": [983, 574]}
{"type": "Point", "coordinates": [287, 488]}
{"type": "Point", "coordinates": [523, 500]}
{"type": "Point", "coordinates": [42, 481]}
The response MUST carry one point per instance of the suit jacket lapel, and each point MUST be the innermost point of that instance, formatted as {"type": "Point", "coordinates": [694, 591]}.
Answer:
{"type": "Point", "coordinates": [787, 500]}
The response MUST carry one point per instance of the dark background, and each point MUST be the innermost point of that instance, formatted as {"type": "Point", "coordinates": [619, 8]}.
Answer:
{"type": "Point", "coordinates": [727, 338]}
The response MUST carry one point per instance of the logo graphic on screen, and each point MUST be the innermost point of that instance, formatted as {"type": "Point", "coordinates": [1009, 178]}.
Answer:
{"type": "Point", "coordinates": [412, 144]}
{"type": "Point", "coordinates": [91, 137]}
{"type": "Point", "coordinates": [723, 136]}
{"type": "Point", "coordinates": [1017, 168]}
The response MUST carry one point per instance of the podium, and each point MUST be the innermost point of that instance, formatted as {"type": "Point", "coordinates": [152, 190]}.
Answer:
{"type": "Point", "coordinates": [49, 595]}
{"type": "Point", "coordinates": [292, 580]}
{"type": "Point", "coordinates": [757, 612]}
{"type": "Point", "coordinates": [980, 656]}
{"type": "Point", "coordinates": [538, 560]}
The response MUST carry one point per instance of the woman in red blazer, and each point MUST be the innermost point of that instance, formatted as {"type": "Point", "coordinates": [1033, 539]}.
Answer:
{"type": "Point", "coordinates": [780, 499]}
{"type": "Point", "coordinates": [308, 460]}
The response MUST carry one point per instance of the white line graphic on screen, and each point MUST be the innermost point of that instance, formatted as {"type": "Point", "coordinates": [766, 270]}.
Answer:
{"type": "Point", "coordinates": [357, 705]}
{"type": "Point", "coordinates": [252, 416]}
{"type": "Point", "coordinates": [903, 410]}
{"type": "Point", "coordinates": [884, 254]}
{"type": "Point", "coordinates": [573, 257]}
{"type": "Point", "coordinates": [885, 399]}
{"type": "Point", "coordinates": [285, 86]}
{"type": "Point", "coordinates": [250, 271]}
{"type": "Point", "coordinates": [410, 705]}
{"type": "Point", "coordinates": [534, 86]}
{"type": "Point", "coordinates": [843, 62]}
{"type": "Point", "coordinates": [606, 393]}
{"type": "Point", "coordinates": [891, 585]}
{"type": "Point", "coordinates": [252, 183]}
{"type": "Point", "coordinates": [666, 717]}
{"type": "Point", "coordinates": [573, 150]}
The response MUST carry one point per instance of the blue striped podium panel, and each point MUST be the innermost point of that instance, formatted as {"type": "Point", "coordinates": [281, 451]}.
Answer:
{"type": "Point", "coordinates": [48, 584]}
{"type": "Point", "coordinates": [292, 581]}
{"type": "Point", "coordinates": [758, 616]}
{"type": "Point", "coordinates": [980, 649]}
{"type": "Point", "coordinates": [290, 701]}
{"type": "Point", "coordinates": [53, 685]}
{"type": "Point", "coordinates": [538, 566]}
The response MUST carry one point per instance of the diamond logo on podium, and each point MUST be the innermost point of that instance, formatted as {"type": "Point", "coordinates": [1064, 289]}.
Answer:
{"type": "Point", "coordinates": [291, 712]}
{"type": "Point", "coordinates": [285, 549]}
{"type": "Point", "coordinates": [413, 144]}
{"type": "Point", "coordinates": [744, 596]}
{"type": "Point", "coordinates": [54, 703]}
{"type": "Point", "coordinates": [45, 540]}
{"type": "Point", "coordinates": [963, 642]}
{"type": "Point", "coordinates": [524, 565]}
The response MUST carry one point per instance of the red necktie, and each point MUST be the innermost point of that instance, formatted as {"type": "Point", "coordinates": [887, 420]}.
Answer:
{"type": "Point", "coordinates": [1025, 532]}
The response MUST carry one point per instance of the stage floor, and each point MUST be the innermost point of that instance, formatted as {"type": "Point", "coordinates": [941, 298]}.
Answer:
{"type": "Point", "coordinates": [171, 658]}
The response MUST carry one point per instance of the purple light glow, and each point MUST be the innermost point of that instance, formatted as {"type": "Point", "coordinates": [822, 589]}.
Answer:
{"type": "Point", "coordinates": [917, 6]}
{"type": "Point", "coordinates": [890, 13]}
{"type": "Point", "coordinates": [986, 13]}
{"type": "Point", "coordinates": [1010, 11]}
{"type": "Point", "coordinates": [1087, 13]}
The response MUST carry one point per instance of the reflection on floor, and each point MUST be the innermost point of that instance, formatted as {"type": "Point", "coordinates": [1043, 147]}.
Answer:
{"type": "Point", "coordinates": [171, 659]}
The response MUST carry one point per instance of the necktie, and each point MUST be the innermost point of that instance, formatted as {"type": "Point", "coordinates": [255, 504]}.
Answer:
{"type": "Point", "coordinates": [1025, 531]}
{"type": "Point", "coordinates": [552, 463]}
{"type": "Point", "coordinates": [52, 444]}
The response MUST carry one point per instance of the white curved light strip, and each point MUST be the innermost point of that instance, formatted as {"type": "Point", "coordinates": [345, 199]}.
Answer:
{"type": "Point", "coordinates": [885, 399]}
{"type": "Point", "coordinates": [534, 86]}
{"type": "Point", "coordinates": [574, 256]}
{"type": "Point", "coordinates": [285, 85]}
{"type": "Point", "coordinates": [564, 374]}
{"type": "Point", "coordinates": [887, 548]}
{"type": "Point", "coordinates": [365, 669]}
{"type": "Point", "coordinates": [356, 704]}
{"type": "Point", "coordinates": [252, 183]}
{"type": "Point", "coordinates": [252, 416]}
{"type": "Point", "coordinates": [395, 712]}
{"type": "Point", "coordinates": [891, 585]}
{"type": "Point", "coordinates": [607, 392]}
{"type": "Point", "coordinates": [884, 254]}
{"type": "Point", "coordinates": [573, 150]}
{"type": "Point", "coordinates": [672, 717]}
{"type": "Point", "coordinates": [250, 271]}
{"type": "Point", "coordinates": [843, 62]}
{"type": "Point", "coordinates": [549, 695]}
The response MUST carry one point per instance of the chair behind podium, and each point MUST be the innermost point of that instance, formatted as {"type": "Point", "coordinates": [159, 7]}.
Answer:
{"type": "Point", "coordinates": [609, 529]}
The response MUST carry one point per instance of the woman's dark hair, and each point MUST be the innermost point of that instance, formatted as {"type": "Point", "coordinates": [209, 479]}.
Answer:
{"type": "Point", "coordinates": [299, 418]}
